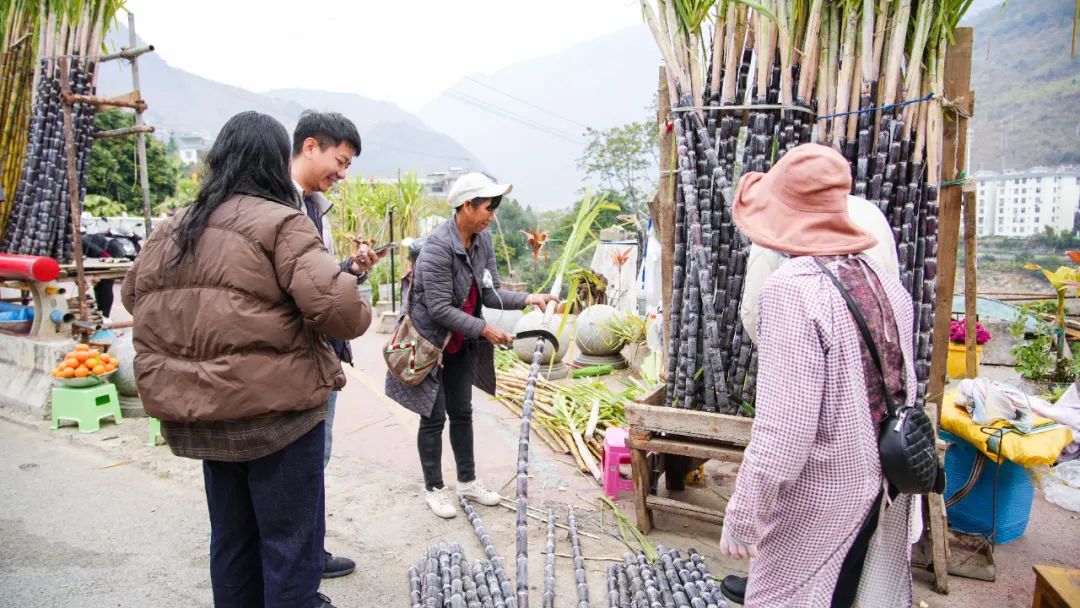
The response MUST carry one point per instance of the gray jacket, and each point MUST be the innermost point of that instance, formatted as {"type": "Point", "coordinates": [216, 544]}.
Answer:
{"type": "Point", "coordinates": [442, 280]}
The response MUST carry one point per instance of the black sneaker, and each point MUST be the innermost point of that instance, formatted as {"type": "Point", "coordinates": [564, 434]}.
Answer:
{"type": "Point", "coordinates": [322, 601]}
{"type": "Point", "coordinates": [336, 566]}
{"type": "Point", "coordinates": [734, 588]}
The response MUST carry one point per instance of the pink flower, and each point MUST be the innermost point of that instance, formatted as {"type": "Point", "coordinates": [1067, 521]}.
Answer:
{"type": "Point", "coordinates": [958, 332]}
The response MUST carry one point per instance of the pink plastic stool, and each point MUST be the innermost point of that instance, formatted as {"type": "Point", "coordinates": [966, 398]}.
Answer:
{"type": "Point", "coordinates": [615, 454]}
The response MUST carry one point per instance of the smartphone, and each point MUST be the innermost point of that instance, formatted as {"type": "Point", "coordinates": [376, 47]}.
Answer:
{"type": "Point", "coordinates": [379, 250]}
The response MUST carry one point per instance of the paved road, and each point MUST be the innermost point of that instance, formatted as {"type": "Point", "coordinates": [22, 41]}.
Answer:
{"type": "Point", "coordinates": [79, 533]}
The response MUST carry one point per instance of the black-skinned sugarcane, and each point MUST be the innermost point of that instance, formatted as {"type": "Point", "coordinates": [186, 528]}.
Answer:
{"type": "Point", "coordinates": [522, 500]}
{"type": "Point", "coordinates": [579, 562]}
{"type": "Point", "coordinates": [549, 564]}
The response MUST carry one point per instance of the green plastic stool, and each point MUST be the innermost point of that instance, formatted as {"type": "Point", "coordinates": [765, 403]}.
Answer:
{"type": "Point", "coordinates": [87, 406]}
{"type": "Point", "coordinates": [155, 431]}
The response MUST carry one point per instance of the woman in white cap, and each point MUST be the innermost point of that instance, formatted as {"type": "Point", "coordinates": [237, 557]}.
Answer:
{"type": "Point", "coordinates": [454, 274]}
{"type": "Point", "coordinates": [811, 504]}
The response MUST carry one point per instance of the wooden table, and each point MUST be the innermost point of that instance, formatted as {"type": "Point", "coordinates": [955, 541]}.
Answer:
{"type": "Point", "coordinates": [96, 270]}
{"type": "Point", "coordinates": [1056, 587]}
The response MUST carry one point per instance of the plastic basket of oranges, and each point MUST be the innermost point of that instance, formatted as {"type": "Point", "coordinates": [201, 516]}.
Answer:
{"type": "Point", "coordinates": [84, 367]}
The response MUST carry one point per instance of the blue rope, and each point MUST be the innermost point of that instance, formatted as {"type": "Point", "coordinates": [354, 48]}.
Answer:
{"type": "Point", "coordinates": [885, 107]}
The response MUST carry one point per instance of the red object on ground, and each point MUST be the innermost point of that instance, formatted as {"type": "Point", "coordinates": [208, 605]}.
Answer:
{"type": "Point", "coordinates": [28, 267]}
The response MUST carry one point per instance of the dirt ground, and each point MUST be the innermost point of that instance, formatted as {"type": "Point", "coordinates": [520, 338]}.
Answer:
{"type": "Point", "coordinates": [145, 513]}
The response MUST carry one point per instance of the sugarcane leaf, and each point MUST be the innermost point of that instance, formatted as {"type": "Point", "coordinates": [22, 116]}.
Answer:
{"type": "Point", "coordinates": [760, 9]}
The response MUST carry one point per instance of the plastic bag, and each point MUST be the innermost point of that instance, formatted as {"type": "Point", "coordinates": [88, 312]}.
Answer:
{"type": "Point", "coordinates": [1067, 412]}
{"type": "Point", "coordinates": [1062, 485]}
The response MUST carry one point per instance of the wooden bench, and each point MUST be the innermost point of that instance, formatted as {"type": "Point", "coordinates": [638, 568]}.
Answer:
{"type": "Point", "coordinates": [1056, 587]}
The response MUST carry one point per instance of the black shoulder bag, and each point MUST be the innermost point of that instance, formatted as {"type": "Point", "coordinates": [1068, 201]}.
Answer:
{"type": "Point", "coordinates": [906, 443]}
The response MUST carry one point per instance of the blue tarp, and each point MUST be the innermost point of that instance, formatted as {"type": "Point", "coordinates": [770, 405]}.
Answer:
{"type": "Point", "coordinates": [987, 308]}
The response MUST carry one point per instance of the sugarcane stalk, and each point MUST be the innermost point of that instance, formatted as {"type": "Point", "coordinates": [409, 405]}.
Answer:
{"type": "Point", "coordinates": [579, 563]}
{"type": "Point", "coordinates": [549, 565]}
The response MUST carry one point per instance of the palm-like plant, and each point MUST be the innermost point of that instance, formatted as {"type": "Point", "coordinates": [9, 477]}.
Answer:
{"type": "Point", "coordinates": [537, 239]}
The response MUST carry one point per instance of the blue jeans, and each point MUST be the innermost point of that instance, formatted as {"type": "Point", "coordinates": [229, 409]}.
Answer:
{"type": "Point", "coordinates": [267, 525]}
{"type": "Point", "coordinates": [331, 406]}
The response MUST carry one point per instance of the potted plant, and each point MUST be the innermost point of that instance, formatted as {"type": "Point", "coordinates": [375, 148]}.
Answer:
{"type": "Point", "coordinates": [1043, 357]}
{"type": "Point", "coordinates": [957, 360]}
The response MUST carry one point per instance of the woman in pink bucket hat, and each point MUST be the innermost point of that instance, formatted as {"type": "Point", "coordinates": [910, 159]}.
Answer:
{"type": "Point", "coordinates": [810, 503]}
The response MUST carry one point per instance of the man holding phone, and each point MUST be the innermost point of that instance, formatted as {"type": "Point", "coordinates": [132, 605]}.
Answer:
{"type": "Point", "coordinates": [324, 144]}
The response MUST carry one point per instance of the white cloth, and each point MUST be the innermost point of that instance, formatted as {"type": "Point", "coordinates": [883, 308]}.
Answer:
{"type": "Point", "coordinates": [762, 262]}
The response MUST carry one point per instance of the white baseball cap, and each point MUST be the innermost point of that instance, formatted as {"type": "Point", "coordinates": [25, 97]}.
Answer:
{"type": "Point", "coordinates": [475, 185]}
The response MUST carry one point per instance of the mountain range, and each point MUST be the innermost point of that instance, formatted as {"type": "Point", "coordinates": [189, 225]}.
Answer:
{"type": "Point", "coordinates": [1027, 86]}
{"type": "Point", "coordinates": [184, 103]}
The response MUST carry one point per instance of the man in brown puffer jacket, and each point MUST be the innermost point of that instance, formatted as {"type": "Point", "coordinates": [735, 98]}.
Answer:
{"type": "Point", "coordinates": [232, 300]}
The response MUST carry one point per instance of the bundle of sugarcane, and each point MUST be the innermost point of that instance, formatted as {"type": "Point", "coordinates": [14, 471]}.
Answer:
{"type": "Point", "coordinates": [17, 56]}
{"type": "Point", "coordinates": [571, 417]}
{"type": "Point", "coordinates": [670, 581]}
{"type": "Point", "coordinates": [40, 222]}
{"type": "Point", "coordinates": [444, 577]}
{"type": "Point", "coordinates": [864, 76]}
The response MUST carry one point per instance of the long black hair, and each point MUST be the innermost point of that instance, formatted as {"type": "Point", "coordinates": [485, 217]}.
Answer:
{"type": "Point", "coordinates": [249, 156]}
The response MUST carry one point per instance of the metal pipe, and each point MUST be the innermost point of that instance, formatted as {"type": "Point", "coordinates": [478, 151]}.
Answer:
{"type": "Point", "coordinates": [393, 274]}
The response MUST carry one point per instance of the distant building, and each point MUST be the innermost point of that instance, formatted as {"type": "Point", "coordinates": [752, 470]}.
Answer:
{"type": "Point", "coordinates": [1024, 203]}
{"type": "Point", "coordinates": [436, 185]}
{"type": "Point", "coordinates": [439, 183]}
{"type": "Point", "coordinates": [192, 148]}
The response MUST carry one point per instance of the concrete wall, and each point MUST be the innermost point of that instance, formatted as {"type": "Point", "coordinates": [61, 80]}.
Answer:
{"type": "Point", "coordinates": [26, 372]}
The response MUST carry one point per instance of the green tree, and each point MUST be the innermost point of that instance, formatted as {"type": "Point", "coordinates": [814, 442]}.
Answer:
{"type": "Point", "coordinates": [620, 161]}
{"type": "Point", "coordinates": [114, 171]}
{"type": "Point", "coordinates": [187, 188]}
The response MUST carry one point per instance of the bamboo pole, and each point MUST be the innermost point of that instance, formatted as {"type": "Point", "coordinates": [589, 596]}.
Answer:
{"type": "Point", "coordinates": [970, 289]}
{"type": "Point", "coordinates": [144, 177]}
{"type": "Point", "coordinates": [73, 188]}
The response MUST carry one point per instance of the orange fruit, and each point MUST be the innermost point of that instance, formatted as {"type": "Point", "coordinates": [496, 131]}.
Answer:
{"type": "Point", "coordinates": [82, 372]}
{"type": "Point", "coordinates": [56, 374]}
{"type": "Point", "coordinates": [82, 355]}
{"type": "Point", "coordinates": [98, 370]}
{"type": "Point", "coordinates": [71, 363]}
{"type": "Point", "coordinates": [92, 362]}
{"type": "Point", "coordinates": [104, 358]}
{"type": "Point", "coordinates": [110, 366]}
{"type": "Point", "coordinates": [94, 352]}
{"type": "Point", "coordinates": [82, 347]}
{"type": "Point", "coordinates": [67, 372]}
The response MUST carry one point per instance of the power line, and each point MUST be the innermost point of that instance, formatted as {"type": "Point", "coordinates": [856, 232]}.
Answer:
{"type": "Point", "coordinates": [531, 105]}
{"type": "Point", "coordinates": [493, 109]}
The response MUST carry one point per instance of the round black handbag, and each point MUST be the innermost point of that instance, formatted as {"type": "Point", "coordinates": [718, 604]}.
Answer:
{"type": "Point", "coordinates": [906, 439]}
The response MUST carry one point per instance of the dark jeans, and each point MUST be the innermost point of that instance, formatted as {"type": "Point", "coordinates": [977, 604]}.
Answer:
{"type": "Point", "coordinates": [266, 526]}
{"type": "Point", "coordinates": [103, 295]}
{"type": "Point", "coordinates": [454, 400]}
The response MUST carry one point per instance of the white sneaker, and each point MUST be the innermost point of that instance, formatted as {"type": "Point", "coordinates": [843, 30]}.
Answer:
{"type": "Point", "coordinates": [476, 492]}
{"type": "Point", "coordinates": [442, 503]}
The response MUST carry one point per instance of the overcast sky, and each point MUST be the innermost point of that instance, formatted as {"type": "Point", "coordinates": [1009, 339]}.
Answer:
{"type": "Point", "coordinates": [405, 51]}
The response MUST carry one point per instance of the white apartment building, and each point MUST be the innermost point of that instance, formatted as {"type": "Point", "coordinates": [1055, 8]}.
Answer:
{"type": "Point", "coordinates": [1024, 203]}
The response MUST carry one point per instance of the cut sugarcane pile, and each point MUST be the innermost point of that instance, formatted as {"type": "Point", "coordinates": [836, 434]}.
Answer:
{"type": "Point", "coordinates": [571, 417]}
{"type": "Point", "coordinates": [443, 576]}
{"type": "Point", "coordinates": [671, 580]}
{"type": "Point", "coordinates": [40, 214]}
{"type": "Point", "coordinates": [864, 76]}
